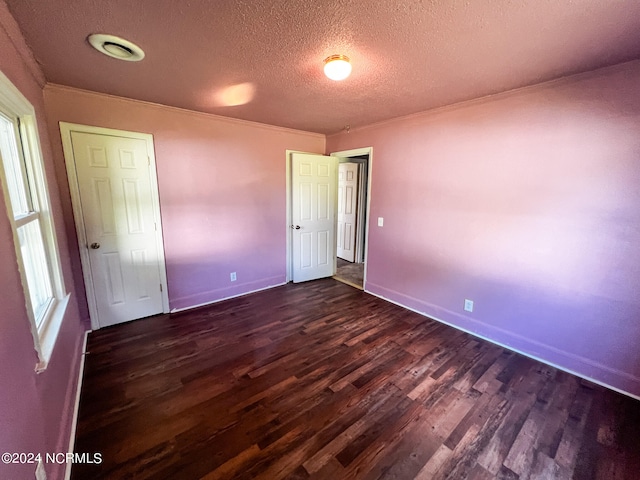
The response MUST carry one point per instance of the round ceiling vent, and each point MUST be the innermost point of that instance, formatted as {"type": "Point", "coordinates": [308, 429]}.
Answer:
{"type": "Point", "coordinates": [116, 47]}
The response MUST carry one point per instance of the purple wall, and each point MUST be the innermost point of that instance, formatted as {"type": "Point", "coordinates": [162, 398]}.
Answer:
{"type": "Point", "coordinates": [222, 190]}
{"type": "Point", "coordinates": [35, 409]}
{"type": "Point", "coordinates": [527, 203]}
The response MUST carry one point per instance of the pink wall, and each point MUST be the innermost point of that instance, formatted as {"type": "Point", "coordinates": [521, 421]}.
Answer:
{"type": "Point", "coordinates": [35, 409]}
{"type": "Point", "coordinates": [222, 190]}
{"type": "Point", "coordinates": [527, 203]}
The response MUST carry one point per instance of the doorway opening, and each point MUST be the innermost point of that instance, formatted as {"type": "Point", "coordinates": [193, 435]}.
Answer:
{"type": "Point", "coordinates": [353, 183]}
{"type": "Point", "coordinates": [296, 204]}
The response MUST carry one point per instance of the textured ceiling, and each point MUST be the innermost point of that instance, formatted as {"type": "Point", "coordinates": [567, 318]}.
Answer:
{"type": "Point", "coordinates": [407, 55]}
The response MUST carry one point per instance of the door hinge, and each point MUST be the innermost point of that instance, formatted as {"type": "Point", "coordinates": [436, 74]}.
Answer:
{"type": "Point", "coordinates": [160, 287]}
{"type": "Point", "coordinates": [148, 160]}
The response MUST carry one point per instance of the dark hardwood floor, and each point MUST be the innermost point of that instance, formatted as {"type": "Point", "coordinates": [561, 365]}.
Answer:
{"type": "Point", "coordinates": [322, 381]}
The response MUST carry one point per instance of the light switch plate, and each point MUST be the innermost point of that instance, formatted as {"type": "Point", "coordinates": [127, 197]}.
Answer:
{"type": "Point", "coordinates": [380, 221]}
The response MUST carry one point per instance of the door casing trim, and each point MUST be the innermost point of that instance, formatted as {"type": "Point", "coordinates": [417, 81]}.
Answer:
{"type": "Point", "coordinates": [65, 132]}
{"type": "Point", "coordinates": [346, 153]}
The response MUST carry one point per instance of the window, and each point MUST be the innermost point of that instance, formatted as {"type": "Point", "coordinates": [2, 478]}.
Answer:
{"type": "Point", "coordinates": [25, 190]}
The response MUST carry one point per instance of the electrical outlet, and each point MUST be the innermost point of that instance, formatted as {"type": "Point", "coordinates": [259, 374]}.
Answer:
{"type": "Point", "coordinates": [380, 221]}
{"type": "Point", "coordinates": [468, 305]}
{"type": "Point", "coordinates": [233, 276]}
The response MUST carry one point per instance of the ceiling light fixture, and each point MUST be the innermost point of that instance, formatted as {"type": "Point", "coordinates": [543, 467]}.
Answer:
{"type": "Point", "coordinates": [337, 67]}
{"type": "Point", "coordinates": [116, 47]}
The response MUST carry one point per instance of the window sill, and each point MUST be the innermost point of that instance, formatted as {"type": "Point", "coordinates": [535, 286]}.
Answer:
{"type": "Point", "coordinates": [49, 333]}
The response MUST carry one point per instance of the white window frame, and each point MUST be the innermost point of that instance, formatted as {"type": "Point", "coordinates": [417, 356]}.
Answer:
{"type": "Point", "coordinates": [15, 106]}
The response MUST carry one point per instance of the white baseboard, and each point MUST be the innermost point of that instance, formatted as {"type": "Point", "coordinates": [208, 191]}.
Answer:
{"type": "Point", "coordinates": [76, 408]}
{"type": "Point", "coordinates": [176, 310]}
{"type": "Point", "coordinates": [512, 349]}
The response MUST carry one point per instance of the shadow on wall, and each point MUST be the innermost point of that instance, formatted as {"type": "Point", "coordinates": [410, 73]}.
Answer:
{"type": "Point", "coordinates": [526, 203]}
{"type": "Point", "coordinates": [570, 329]}
{"type": "Point", "coordinates": [196, 283]}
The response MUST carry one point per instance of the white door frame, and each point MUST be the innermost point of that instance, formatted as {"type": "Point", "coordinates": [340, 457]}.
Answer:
{"type": "Point", "coordinates": [74, 188]}
{"type": "Point", "coordinates": [346, 153]}
{"type": "Point", "coordinates": [362, 211]}
{"type": "Point", "coordinates": [289, 262]}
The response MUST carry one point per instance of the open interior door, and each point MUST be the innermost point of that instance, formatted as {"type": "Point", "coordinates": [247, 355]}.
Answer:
{"type": "Point", "coordinates": [314, 182]}
{"type": "Point", "coordinates": [347, 210]}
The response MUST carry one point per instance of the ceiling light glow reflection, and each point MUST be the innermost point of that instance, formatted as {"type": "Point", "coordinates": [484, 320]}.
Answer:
{"type": "Point", "coordinates": [234, 95]}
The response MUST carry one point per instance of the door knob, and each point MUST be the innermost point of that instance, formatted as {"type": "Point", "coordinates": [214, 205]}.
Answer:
{"type": "Point", "coordinates": [297, 227]}
{"type": "Point", "coordinates": [95, 245]}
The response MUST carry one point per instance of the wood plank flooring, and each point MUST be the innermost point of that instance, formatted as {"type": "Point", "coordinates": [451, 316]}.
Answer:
{"type": "Point", "coordinates": [322, 381]}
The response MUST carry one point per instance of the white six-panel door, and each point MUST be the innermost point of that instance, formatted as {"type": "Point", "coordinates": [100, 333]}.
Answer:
{"type": "Point", "coordinates": [314, 183]}
{"type": "Point", "coordinates": [347, 210]}
{"type": "Point", "coordinates": [120, 225]}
